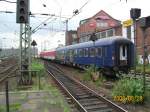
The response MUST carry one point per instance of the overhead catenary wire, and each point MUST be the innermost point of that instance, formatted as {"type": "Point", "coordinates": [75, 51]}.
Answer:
{"type": "Point", "coordinates": [8, 1]}
{"type": "Point", "coordinates": [36, 28]}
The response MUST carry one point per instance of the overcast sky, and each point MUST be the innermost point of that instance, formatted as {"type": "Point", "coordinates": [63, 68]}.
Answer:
{"type": "Point", "coordinates": [53, 33]}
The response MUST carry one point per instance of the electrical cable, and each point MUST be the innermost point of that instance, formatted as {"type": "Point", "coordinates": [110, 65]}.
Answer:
{"type": "Point", "coordinates": [8, 1]}
{"type": "Point", "coordinates": [36, 28]}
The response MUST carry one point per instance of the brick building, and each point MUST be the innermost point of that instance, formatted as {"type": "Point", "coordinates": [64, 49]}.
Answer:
{"type": "Point", "coordinates": [101, 23]}
{"type": "Point", "coordinates": [71, 38]}
{"type": "Point", "coordinates": [139, 39]}
{"type": "Point", "coordinates": [139, 42]}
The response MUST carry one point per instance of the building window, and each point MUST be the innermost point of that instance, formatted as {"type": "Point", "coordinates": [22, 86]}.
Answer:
{"type": "Point", "coordinates": [110, 33]}
{"type": "Point", "coordinates": [74, 36]}
{"type": "Point", "coordinates": [98, 35]}
{"type": "Point", "coordinates": [103, 34]}
{"type": "Point", "coordinates": [102, 24]}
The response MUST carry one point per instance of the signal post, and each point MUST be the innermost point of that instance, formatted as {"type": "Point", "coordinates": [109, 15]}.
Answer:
{"type": "Point", "coordinates": [22, 17]}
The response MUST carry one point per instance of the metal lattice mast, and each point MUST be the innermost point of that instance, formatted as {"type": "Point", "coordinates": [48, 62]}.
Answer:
{"type": "Point", "coordinates": [25, 53]}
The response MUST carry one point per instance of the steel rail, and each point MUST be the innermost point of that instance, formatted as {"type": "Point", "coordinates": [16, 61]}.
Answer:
{"type": "Point", "coordinates": [5, 74]}
{"type": "Point", "coordinates": [67, 92]}
{"type": "Point", "coordinates": [6, 69]}
{"type": "Point", "coordinates": [90, 91]}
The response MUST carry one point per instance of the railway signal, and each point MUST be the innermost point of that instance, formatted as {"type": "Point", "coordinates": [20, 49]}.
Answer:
{"type": "Point", "coordinates": [135, 13]}
{"type": "Point", "coordinates": [22, 15]}
{"type": "Point", "coordinates": [33, 43]}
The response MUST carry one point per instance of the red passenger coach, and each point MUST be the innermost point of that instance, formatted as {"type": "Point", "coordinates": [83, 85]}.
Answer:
{"type": "Point", "coordinates": [51, 54]}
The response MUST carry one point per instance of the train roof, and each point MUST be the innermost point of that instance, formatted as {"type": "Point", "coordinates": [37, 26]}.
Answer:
{"type": "Point", "coordinates": [102, 42]}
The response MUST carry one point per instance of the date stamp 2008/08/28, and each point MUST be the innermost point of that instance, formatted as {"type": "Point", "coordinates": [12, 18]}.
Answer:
{"type": "Point", "coordinates": [128, 98]}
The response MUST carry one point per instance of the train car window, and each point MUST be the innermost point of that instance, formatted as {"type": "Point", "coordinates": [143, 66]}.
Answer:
{"type": "Point", "coordinates": [67, 52]}
{"type": "Point", "coordinates": [75, 52]}
{"type": "Point", "coordinates": [70, 53]}
{"type": "Point", "coordinates": [81, 52]}
{"type": "Point", "coordinates": [92, 52]}
{"type": "Point", "coordinates": [86, 52]}
{"type": "Point", "coordinates": [124, 50]}
{"type": "Point", "coordinates": [105, 51]}
{"type": "Point", "coordinates": [63, 54]}
{"type": "Point", "coordinates": [99, 51]}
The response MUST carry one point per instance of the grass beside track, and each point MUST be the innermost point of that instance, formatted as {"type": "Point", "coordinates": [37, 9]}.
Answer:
{"type": "Point", "coordinates": [58, 99]}
{"type": "Point", "coordinates": [54, 101]}
{"type": "Point", "coordinates": [139, 68]}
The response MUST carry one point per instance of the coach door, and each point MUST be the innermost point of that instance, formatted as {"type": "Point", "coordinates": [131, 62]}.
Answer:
{"type": "Point", "coordinates": [123, 54]}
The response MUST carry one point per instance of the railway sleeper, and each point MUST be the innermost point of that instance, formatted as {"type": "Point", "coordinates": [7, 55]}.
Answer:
{"type": "Point", "coordinates": [92, 103]}
{"type": "Point", "coordinates": [84, 96]}
{"type": "Point", "coordinates": [82, 93]}
{"type": "Point", "coordinates": [96, 107]}
{"type": "Point", "coordinates": [88, 100]}
{"type": "Point", "coordinates": [105, 110]}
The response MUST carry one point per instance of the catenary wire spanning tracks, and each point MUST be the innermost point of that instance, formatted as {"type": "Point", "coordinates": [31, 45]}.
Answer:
{"type": "Point", "coordinates": [84, 98]}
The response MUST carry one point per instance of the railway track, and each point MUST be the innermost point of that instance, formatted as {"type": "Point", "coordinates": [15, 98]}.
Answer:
{"type": "Point", "coordinates": [7, 68]}
{"type": "Point", "coordinates": [85, 99]}
{"type": "Point", "coordinates": [7, 72]}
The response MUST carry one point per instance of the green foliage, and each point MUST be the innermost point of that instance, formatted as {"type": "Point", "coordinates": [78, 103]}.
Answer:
{"type": "Point", "coordinates": [98, 82]}
{"type": "Point", "coordinates": [128, 87]}
{"type": "Point", "coordinates": [147, 95]}
{"type": "Point", "coordinates": [87, 74]}
{"type": "Point", "coordinates": [38, 66]}
{"type": "Point", "coordinates": [139, 68]}
{"type": "Point", "coordinates": [13, 107]}
{"type": "Point", "coordinates": [89, 77]}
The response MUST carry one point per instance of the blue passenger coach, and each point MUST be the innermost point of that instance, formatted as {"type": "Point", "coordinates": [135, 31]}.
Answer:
{"type": "Point", "coordinates": [111, 54]}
